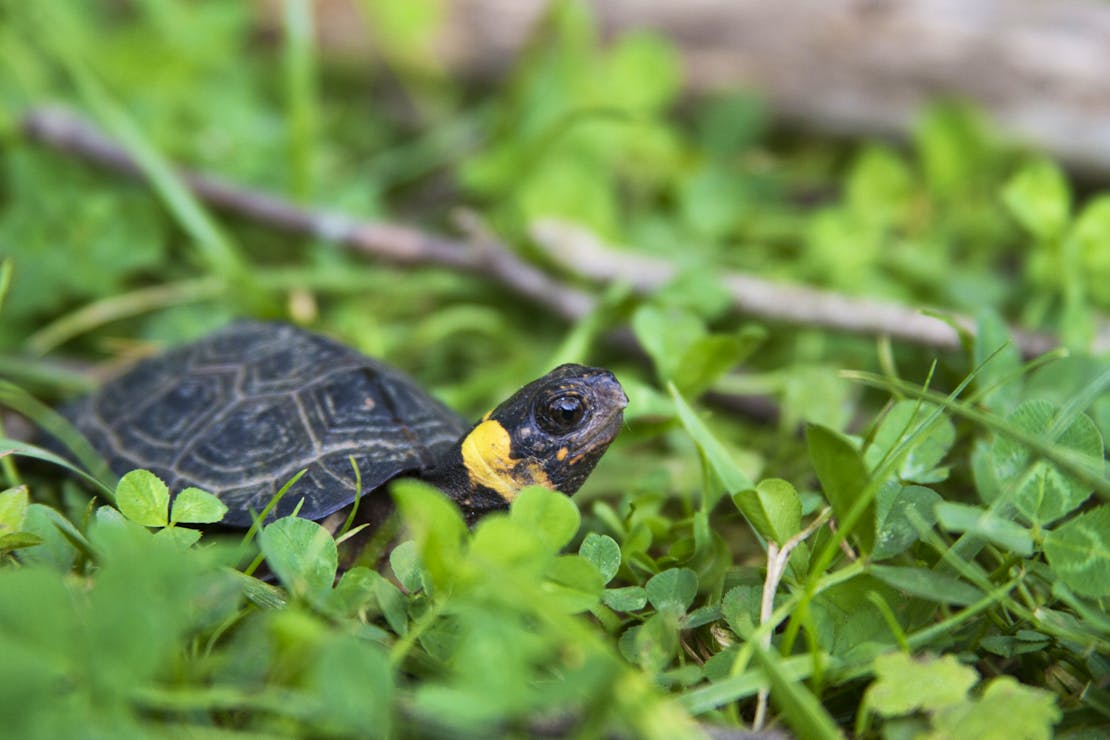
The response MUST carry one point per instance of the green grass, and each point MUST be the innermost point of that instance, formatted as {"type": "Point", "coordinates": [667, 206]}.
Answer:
{"type": "Point", "coordinates": [958, 589]}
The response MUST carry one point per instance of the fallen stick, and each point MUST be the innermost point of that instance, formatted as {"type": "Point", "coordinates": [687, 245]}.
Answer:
{"type": "Point", "coordinates": [580, 252]}
{"type": "Point", "coordinates": [66, 132]}
{"type": "Point", "coordinates": [850, 67]}
{"type": "Point", "coordinates": [482, 254]}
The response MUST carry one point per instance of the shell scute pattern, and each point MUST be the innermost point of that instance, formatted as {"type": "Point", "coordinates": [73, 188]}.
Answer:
{"type": "Point", "coordinates": [242, 411]}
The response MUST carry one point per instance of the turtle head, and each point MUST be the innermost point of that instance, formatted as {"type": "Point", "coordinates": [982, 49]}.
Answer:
{"type": "Point", "coordinates": [550, 433]}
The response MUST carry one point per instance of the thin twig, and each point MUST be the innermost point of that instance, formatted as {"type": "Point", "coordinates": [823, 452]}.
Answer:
{"type": "Point", "coordinates": [582, 253]}
{"type": "Point", "coordinates": [64, 131]}
{"type": "Point", "coordinates": [112, 307]}
{"type": "Point", "coordinates": [777, 559]}
{"type": "Point", "coordinates": [574, 249]}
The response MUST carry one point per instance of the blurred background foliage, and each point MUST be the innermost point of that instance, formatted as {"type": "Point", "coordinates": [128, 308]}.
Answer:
{"type": "Point", "coordinates": [598, 133]}
{"type": "Point", "coordinates": [591, 132]}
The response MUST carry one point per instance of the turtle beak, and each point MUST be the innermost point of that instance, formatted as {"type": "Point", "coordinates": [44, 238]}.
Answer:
{"type": "Point", "coordinates": [610, 400]}
{"type": "Point", "coordinates": [611, 393]}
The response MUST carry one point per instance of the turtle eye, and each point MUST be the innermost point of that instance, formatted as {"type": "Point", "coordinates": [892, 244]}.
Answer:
{"type": "Point", "coordinates": [561, 414]}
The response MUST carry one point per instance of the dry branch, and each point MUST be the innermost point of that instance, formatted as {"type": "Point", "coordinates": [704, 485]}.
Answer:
{"type": "Point", "coordinates": [581, 252]}
{"type": "Point", "coordinates": [485, 256]}
{"type": "Point", "coordinates": [69, 133]}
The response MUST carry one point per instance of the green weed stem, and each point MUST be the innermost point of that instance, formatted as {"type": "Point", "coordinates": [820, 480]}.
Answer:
{"type": "Point", "coordinates": [302, 106]}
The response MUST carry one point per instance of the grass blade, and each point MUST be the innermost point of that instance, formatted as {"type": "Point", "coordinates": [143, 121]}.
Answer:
{"type": "Point", "coordinates": [800, 708]}
{"type": "Point", "coordinates": [61, 429]}
{"type": "Point", "coordinates": [300, 95]}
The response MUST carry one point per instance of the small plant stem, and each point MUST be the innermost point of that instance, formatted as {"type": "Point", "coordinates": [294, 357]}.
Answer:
{"type": "Point", "coordinates": [254, 564]}
{"type": "Point", "coordinates": [358, 499]}
{"type": "Point", "coordinates": [891, 620]}
{"type": "Point", "coordinates": [401, 648]}
{"type": "Point", "coordinates": [1088, 469]}
{"type": "Point", "coordinates": [924, 636]}
{"type": "Point", "coordinates": [7, 464]}
{"type": "Point", "coordinates": [112, 308]}
{"type": "Point", "coordinates": [33, 374]}
{"type": "Point", "coordinates": [777, 560]}
{"type": "Point", "coordinates": [300, 93]}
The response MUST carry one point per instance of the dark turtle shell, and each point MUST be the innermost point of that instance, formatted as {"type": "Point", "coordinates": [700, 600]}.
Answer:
{"type": "Point", "coordinates": [241, 411]}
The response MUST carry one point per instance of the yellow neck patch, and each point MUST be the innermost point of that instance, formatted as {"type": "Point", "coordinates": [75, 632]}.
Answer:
{"type": "Point", "coordinates": [487, 454]}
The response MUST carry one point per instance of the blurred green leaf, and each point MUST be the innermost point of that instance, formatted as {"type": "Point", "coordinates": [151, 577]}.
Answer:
{"type": "Point", "coordinates": [927, 584]}
{"type": "Point", "coordinates": [905, 684]}
{"type": "Point", "coordinates": [895, 530]}
{"type": "Point", "coordinates": [740, 608]}
{"type": "Point", "coordinates": [729, 473]}
{"type": "Point", "coordinates": [955, 149]}
{"type": "Point", "coordinates": [666, 334]}
{"type": "Point", "coordinates": [999, 363]}
{"type": "Point", "coordinates": [182, 537]}
{"type": "Point", "coordinates": [641, 72]}
{"type": "Point", "coordinates": [93, 632]}
{"type": "Point", "coordinates": [815, 393]}
{"type": "Point", "coordinates": [712, 199]}
{"type": "Point", "coordinates": [391, 602]}
{"type": "Point", "coordinates": [731, 123]}
{"type": "Point", "coordinates": [983, 523]}
{"type": "Point", "coordinates": [928, 438]}
{"type": "Point", "coordinates": [405, 30]}
{"type": "Point", "coordinates": [84, 241]}
{"type": "Point", "coordinates": [302, 554]}
{"type": "Point", "coordinates": [1006, 710]}
{"type": "Point", "coordinates": [354, 593]}
{"type": "Point", "coordinates": [405, 562]}
{"type": "Point", "coordinates": [604, 552]}
{"type": "Point", "coordinates": [435, 524]}
{"type": "Point", "coordinates": [1039, 199]}
{"type": "Point", "coordinates": [652, 644]}
{"type": "Point", "coordinates": [706, 359]}
{"type": "Point", "coordinates": [353, 682]}
{"type": "Point", "coordinates": [842, 250]}
{"type": "Point", "coordinates": [1079, 551]}
{"type": "Point", "coordinates": [1091, 233]}
{"type": "Point", "coordinates": [627, 599]}
{"type": "Point", "coordinates": [13, 509]}
{"type": "Point", "coordinates": [1041, 490]}
{"type": "Point", "coordinates": [844, 477]}
{"type": "Point", "coordinates": [55, 552]}
{"type": "Point", "coordinates": [773, 507]}
{"type": "Point", "coordinates": [673, 589]}
{"type": "Point", "coordinates": [800, 708]}
{"type": "Point", "coordinates": [698, 290]}
{"type": "Point", "coordinates": [551, 516]}
{"type": "Point", "coordinates": [879, 186]}
{"type": "Point", "coordinates": [501, 542]}
{"type": "Point", "coordinates": [575, 582]}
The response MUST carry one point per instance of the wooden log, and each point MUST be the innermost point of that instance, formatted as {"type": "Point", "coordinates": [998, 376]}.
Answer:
{"type": "Point", "coordinates": [1040, 68]}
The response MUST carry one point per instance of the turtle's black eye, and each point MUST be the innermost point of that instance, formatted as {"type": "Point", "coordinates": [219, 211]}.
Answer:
{"type": "Point", "coordinates": [561, 414]}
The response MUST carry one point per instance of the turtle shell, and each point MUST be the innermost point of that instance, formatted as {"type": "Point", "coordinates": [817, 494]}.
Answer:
{"type": "Point", "coordinates": [242, 411]}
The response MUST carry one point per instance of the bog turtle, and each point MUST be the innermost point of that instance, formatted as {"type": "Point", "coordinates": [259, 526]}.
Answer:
{"type": "Point", "coordinates": [241, 411]}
